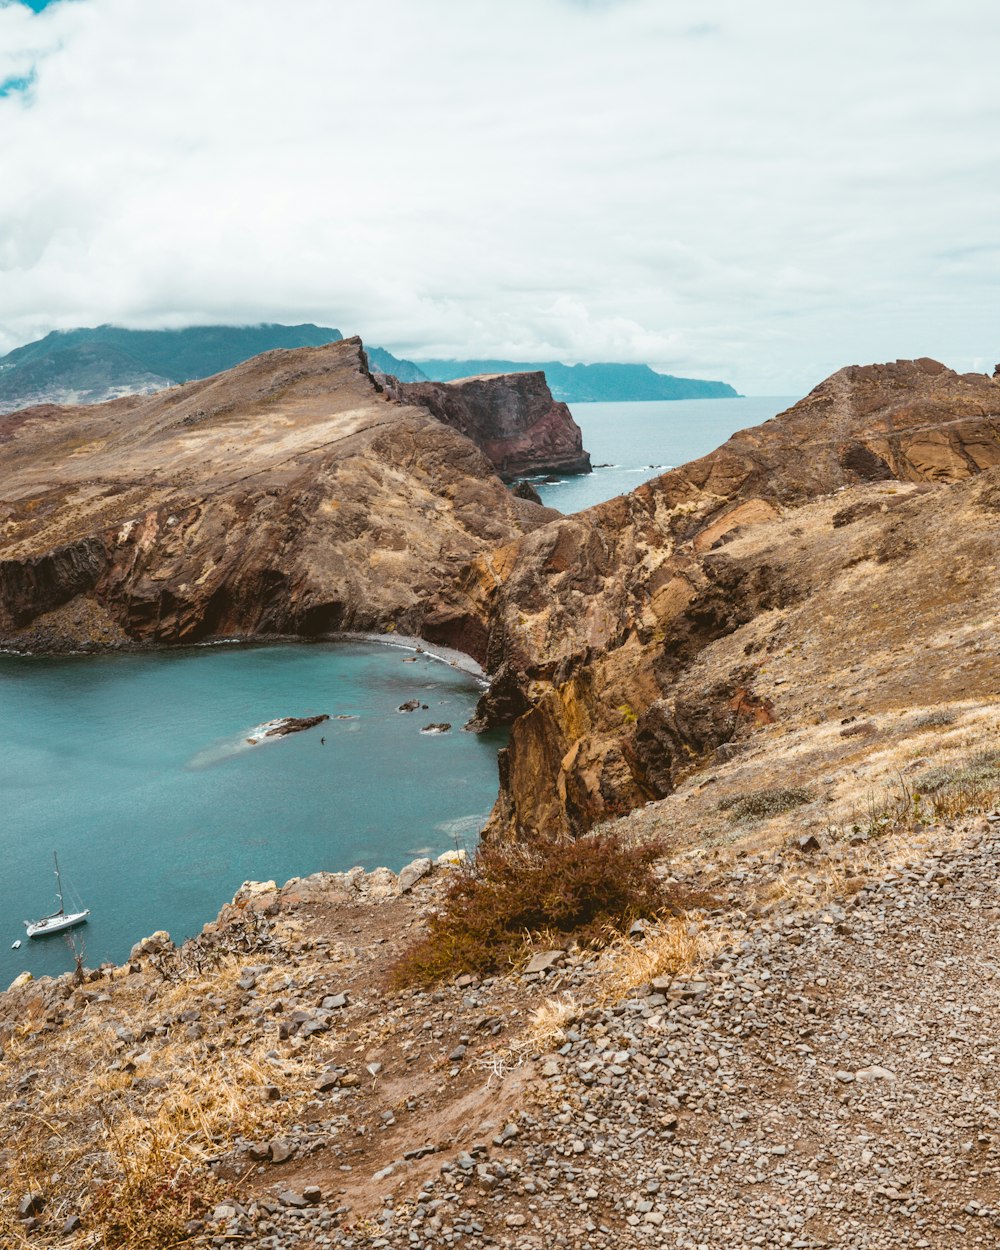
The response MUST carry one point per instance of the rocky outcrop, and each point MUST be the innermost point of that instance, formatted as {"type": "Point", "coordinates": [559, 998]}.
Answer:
{"type": "Point", "coordinates": [285, 725]}
{"type": "Point", "coordinates": [511, 417]}
{"type": "Point", "coordinates": [290, 495]}
{"type": "Point", "coordinates": [608, 626]}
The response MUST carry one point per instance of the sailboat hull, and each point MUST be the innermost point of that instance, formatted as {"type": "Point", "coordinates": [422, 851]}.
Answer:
{"type": "Point", "coordinates": [55, 924]}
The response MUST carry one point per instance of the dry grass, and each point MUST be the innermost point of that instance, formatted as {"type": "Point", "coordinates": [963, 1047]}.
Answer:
{"type": "Point", "coordinates": [120, 1133]}
{"type": "Point", "coordinates": [548, 1022]}
{"type": "Point", "coordinates": [677, 947]}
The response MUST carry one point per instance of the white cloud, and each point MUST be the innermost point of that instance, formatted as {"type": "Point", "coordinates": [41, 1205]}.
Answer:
{"type": "Point", "coordinates": [756, 193]}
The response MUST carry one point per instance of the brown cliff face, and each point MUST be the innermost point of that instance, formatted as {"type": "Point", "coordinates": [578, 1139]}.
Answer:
{"type": "Point", "coordinates": [289, 495]}
{"type": "Point", "coordinates": [597, 621]}
{"type": "Point", "coordinates": [518, 424]}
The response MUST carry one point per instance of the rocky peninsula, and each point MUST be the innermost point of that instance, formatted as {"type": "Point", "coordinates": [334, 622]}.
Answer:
{"type": "Point", "coordinates": [832, 552]}
{"type": "Point", "coordinates": [290, 495]}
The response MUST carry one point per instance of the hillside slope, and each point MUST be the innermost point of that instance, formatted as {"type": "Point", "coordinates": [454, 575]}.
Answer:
{"type": "Point", "coordinates": [600, 627]}
{"type": "Point", "coordinates": [288, 495]}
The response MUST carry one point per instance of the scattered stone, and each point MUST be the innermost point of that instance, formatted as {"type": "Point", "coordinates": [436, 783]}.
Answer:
{"type": "Point", "coordinates": [291, 1198]}
{"type": "Point", "coordinates": [280, 1151]}
{"type": "Point", "coordinates": [545, 960]}
{"type": "Point", "coordinates": [31, 1204]}
{"type": "Point", "coordinates": [874, 1073]}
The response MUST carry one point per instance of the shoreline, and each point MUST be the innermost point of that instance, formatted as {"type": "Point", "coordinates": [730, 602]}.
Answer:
{"type": "Point", "coordinates": [411, 642]}
{"type": "Point", "coordinates": [402, 642]}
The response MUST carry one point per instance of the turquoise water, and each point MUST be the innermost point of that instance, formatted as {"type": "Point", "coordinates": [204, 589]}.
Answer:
{"type": "Point", "coordinates": [642, 440]}
{"type": "Point", "coordinates": [136, 769]}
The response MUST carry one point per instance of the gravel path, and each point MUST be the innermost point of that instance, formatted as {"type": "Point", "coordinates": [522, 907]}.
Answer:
{"type": "Point", "coordinates": [829, 1080]}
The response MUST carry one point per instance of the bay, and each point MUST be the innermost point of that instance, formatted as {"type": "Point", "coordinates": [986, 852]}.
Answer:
{"type": "Point", "coordinates": [633, 442]}
{"type": "Point", "coordinates": [135, 768]}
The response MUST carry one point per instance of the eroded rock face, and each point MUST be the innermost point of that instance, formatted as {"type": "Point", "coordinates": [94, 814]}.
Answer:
{"type": "Point", "coordinates": [512, 417]}
{"type": "Point", "coordinates": [289, 495]}
{"type": "Point", "coordinates": [597, 622]}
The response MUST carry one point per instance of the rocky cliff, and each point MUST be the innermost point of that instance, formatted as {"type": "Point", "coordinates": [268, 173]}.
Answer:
{"type": "Point", "coordinates": [632, 640]}
{"type": "Point", "coordinates": [290, 495]}
{"type": "Point", "coordinates": [521, 427]}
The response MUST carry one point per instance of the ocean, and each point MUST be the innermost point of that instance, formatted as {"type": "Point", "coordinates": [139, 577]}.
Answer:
{"type": "Point", "coordinates": [630, 443]}
{"type": "Point", "coordinates": [136, 769]}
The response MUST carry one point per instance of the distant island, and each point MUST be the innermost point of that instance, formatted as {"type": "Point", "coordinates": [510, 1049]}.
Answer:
{"type": "Point", "coordinates": [587, 383]}
{"type": "Point", "coordinates": [91, 365]}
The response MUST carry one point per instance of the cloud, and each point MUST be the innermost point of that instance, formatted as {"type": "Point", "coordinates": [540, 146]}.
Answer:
{"type": "Point", "coordinates": [756, 194]}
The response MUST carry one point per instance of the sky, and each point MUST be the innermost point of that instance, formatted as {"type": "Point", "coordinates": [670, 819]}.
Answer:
{"type": "Point", "coordinates": [757, 193]}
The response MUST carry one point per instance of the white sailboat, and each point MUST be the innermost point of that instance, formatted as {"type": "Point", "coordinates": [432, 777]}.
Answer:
{"type": "Point", "coordinates": [59, 920]}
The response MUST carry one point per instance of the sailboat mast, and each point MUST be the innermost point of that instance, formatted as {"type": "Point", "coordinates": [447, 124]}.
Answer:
{"type": "Point", "coordinates": [59, 894]}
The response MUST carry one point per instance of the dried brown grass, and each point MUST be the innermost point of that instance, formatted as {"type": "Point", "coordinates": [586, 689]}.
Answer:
{"type": "Point", "coordinates": [120, 1134]}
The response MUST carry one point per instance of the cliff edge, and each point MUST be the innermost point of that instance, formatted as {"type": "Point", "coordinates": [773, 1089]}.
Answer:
{"type": "Point", "coordinates": [523, 430]}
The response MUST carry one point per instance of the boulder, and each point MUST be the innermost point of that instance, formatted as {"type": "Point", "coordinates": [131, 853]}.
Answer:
{"type": "Point", "coordinates": [155, 944]}
{"type": "Point", "coordinates": [412, 873]}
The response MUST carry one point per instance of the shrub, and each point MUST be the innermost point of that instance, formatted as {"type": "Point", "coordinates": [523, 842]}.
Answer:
{"type": "Point", "coordinates": [762, 804]}
{"type": "Point", "coordinates": [979, 771]}
{"type": "Point", "coordinates": [958, 788]}
{"type": "Point", "coordinates": [593, 888]}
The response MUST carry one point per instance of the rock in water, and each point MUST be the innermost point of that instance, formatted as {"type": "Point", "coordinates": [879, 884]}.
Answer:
{"type": "Point", "coordinates": [294, 725]}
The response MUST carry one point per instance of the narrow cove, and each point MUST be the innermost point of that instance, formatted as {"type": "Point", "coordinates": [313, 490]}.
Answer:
{"type": "Point", "coordinates": [137, 770]}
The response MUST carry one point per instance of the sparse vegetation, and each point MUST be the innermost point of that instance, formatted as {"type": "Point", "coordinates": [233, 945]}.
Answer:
{"type": "Point", "coordinates": [120, 1133]}
{"type": "Point", "coordinates": [969, 785]}
{"type": "Point", "coordinates": [590, 888]}
{"type": "Point", "coordinates": [676, 947]}
{"type": "Point", "coordinates": [940, 718]}
{"type": "Point", "coordinates": [945, 792]}
{"type": "Point", "coordinates": [763, 804]}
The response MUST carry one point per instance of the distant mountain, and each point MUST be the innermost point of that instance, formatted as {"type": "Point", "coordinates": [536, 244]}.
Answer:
{"type": "Point", "coordinates": [381, 361]}
{"type": "Point", "coordinates": [584, 383]}
{"type": "Point", "coordinates": [89, 365]}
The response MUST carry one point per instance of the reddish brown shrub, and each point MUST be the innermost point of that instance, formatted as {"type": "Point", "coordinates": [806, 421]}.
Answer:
{"type": "Point", "coordinates": [591, 888]}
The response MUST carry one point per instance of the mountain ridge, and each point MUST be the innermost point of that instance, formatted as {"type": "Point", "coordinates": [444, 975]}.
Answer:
{"type": "Point", "coordinates": [606, 382]}
{"type": "Point", "coordinates": [98, 363]}
{"type": "Point", "coordinates": [94, 364]}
